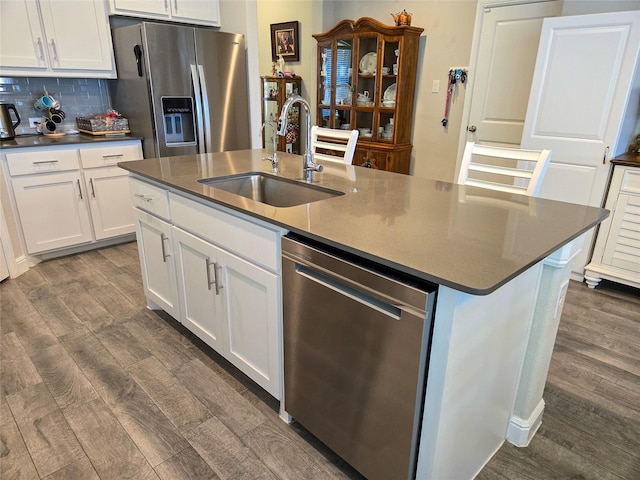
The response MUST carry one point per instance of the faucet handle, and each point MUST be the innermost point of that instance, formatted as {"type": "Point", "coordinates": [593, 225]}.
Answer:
{"type": "Point", "coordinates": [314, 167]}
{"type": "Point", "coordinates": [274, 162]}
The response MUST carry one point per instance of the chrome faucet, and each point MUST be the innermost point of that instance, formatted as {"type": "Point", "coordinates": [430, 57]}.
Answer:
{"type": "Point", "coordinates": [308, 166]}
{"type": "Point", "coordinates": [274, 157]}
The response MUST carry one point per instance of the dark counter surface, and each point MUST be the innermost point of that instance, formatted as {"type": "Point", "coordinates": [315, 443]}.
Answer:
{"type": "Point", "coordinates": [627, 159]}
{"type": "Point", "coordinates": [467, 238]}
{"type": "Point", "coordinates": [37, 140]}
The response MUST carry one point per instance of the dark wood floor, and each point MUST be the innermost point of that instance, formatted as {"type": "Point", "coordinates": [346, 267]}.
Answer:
{"type": "Point", "coordinates": [94, 385]}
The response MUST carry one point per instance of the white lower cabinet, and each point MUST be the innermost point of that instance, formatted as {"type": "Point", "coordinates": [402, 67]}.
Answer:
{"type": "Point", "coordinates": [157, 262]}
{"type": "Point", "coordinates": [53, 210]}
{"type": "Point", "coordinates": [616, 254]}
{"type": "Point", "coordinates": [109, 201]}
{"type": "Point", "coordinates": [216, 272]}
{"type": "Point", "coordinates": [65, 197]}
{"type": "Point", "coordinates": [231, 304]}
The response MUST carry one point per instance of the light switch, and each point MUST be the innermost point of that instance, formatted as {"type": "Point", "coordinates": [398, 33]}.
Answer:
{"type": "Point", "coordinates": [435, 88]}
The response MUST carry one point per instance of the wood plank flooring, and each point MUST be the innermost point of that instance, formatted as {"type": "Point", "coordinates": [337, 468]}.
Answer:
{"type": "Point", "coordinates": [95, 386]}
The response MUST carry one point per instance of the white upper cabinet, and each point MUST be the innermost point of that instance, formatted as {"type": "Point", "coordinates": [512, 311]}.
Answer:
{"type": "Point", "coordinates": [204, 12]}
{"type": "Point", "coordinates": [62, 38]}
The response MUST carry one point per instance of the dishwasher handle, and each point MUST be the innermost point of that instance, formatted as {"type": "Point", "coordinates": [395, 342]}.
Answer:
{"type": "Point", "coordinates": [390, 285]}
{"type": "Point", "coordinates": [341, 288]}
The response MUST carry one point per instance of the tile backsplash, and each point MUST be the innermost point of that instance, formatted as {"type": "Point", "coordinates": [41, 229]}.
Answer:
{"type": "Point", "coordinates": [78, 97]}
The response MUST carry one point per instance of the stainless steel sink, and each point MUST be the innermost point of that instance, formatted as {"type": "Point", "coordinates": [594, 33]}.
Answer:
{"type": "Point", "coordinates": [274, 191]}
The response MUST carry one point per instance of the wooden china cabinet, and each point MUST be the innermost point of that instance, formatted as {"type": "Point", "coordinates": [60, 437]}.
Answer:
{"type": "Point", "coordinates": [275, 91]}
{"type": "Point", "coordinates": [367, 78]}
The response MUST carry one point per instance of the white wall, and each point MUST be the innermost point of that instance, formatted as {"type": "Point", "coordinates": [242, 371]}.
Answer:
{"type": "Point", "coordinates": [446, 42]}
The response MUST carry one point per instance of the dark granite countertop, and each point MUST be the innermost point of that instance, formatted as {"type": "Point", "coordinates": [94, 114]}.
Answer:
{"type": "Point", "coordinates": [37, 140]}
{"type": "Point", "coordinates": [470, 239]}
{"type": "Point", "coordinates": [627, 159]}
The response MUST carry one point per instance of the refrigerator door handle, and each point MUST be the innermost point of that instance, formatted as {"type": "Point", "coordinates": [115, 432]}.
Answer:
{"type": "Point", "coordinates": [197, 95]}
{"type": "Point", "coordinates": [205, 109]}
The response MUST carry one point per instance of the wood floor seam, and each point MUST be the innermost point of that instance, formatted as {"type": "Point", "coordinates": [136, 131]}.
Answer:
{"type": "Point", "coordinates": [144, 398]}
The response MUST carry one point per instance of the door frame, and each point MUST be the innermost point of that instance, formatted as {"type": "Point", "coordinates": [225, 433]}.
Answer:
{"type": "Point", "coordinates": [473, 61]}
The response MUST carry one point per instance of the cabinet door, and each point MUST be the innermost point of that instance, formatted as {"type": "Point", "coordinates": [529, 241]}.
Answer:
{"type": "Point", "coordinates": [251, 300]}
{"type": "Point", "coordinates": [78, 35]}
{"type": "Point", "coordinates": [110, 202]}
{"type": "Point", "coordinates": [622, 249]}
{"type": "Point", "coordinates": [53, 210]}
{"type": "Point", "coordinates": [198, 10]}
{"type": "Point", "coordinates": [201, 303]}
{"type": "Point", "coordinates": [21, 37]}
{"type": "Point", "coordinates": [155, 7]}
{"type": "Point", "coordinates": [157, 263]}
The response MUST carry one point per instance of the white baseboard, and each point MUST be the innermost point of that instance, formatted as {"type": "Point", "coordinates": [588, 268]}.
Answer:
{"type": "Point", "coordinates": [20, 266]}
{"type": "Point", "coordinates": [521, 431]}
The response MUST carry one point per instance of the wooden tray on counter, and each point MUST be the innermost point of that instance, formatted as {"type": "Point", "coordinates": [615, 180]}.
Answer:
{"type": "Point", "coordinates": [106, 132]}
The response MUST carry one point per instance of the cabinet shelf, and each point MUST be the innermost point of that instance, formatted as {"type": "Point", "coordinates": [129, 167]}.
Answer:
{"type": "Point", "coordinates": [340, 51]}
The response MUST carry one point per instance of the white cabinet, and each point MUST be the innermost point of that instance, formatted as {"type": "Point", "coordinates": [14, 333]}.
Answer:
{"type": "Point", "coordinates": [65, 197]}
{"type": "Point", "coordinates": [62, 38]}
{"type": "Point", "coordinates": [108, 188]}
{"type": "Point", "coordinates": [616, 254]}
{"type": "Point", "coordinates": [204, 12]}
{"type": "Point", "coordinates": [157, 263]}
{"type": "Point", "coordinates": [53, 210]}
{"type": "Point", "coordinates": [232, 305]}
{"type": "Point", "coordinates": [226, 284]}
{"type": "Point", "coordinates": [199, 282]}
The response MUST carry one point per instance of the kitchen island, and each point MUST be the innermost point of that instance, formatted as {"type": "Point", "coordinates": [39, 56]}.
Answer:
{"type": "Point", "coordinates": [500, 263]}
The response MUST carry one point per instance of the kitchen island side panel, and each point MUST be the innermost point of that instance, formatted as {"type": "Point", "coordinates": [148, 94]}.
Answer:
{"type": "Point", "coordinates": [477, 353]}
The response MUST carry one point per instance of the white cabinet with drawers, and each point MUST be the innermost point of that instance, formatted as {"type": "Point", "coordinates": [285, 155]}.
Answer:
{"type": "Point", "coordinates": [66, 195]}
{"type": "Point", "coordinates": [616, 254]}
{"type": "Point", "coordinates": [61, 38]}
{"type": "Point", "coordinates": [218, 273]}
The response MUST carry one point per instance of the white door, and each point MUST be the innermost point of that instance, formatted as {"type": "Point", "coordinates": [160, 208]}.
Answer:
{"type": "Point", "coordinates": [53, 210]}
{"type": "Point", "coordinates": [197, 10]}
{"type": "Point", "coordinates": [22, 42]}
{"type": "Point", "coordinates": [201, 301]}
{"type": "Point", "coordinates": [78, 35]}
{"type": "Point", "coordinates": [157, 263]}
{"type": "Point", "coordinates": [251, 300]}
{"type": "Point", "coordinates": [157, 7]}
{"type": "Point", "coordinates": [110, 202]}
{"type": "Point", "coordinates": [502, 71]}
{"type": "Point", "coordinates": [584, 72]}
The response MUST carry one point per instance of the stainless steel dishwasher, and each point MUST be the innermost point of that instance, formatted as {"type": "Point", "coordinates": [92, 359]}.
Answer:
{"type": "Point", "coordinates": [356, 342]}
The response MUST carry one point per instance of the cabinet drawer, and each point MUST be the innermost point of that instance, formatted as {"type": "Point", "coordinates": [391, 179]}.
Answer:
{"type": "Point", "coordinates": [631, 181]}
{"type": "Point", "coordinates": [150, 198]}
{"type": "Point", "coordinates": [106, 156]}
{"type": "Point", "coordinates": [43, 161]}
{"type": "Point", "coordinates": [248, 240]}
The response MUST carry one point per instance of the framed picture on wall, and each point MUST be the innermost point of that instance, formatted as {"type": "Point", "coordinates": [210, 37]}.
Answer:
{"type": "Point", "coordinates": [284, 41]}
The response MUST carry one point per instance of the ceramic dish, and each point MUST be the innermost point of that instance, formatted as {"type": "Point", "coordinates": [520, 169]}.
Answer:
{"type": "Point", "coordinates": [390, 93]}
{"type": "Point", "coordinates": [55, 134]}
{"type": "Point", "coordinates": [368, 63]}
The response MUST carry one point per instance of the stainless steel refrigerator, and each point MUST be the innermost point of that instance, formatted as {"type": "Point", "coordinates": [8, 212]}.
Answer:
{"type": "Point", "coordinates": [183, 89]}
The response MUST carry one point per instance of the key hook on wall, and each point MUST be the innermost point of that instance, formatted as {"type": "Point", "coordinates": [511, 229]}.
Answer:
{"type": "Point", "coordinates": [456, 75]}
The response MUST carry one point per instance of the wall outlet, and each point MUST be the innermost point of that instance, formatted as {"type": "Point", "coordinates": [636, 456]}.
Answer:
{"type": "Point", "coordinates": [33, 122]}
{"type": "Point", "coordinates": [435, 86]}
{"type": "Point", "coordinates": [562, 295]}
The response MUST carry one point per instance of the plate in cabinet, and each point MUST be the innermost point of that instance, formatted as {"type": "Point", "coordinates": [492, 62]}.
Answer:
{"type": "Point", "coordinates": [368, 63]}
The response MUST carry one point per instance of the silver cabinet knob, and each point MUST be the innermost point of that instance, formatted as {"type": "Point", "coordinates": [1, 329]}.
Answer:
{"type": "Point", "coordinates": [472, 128]}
